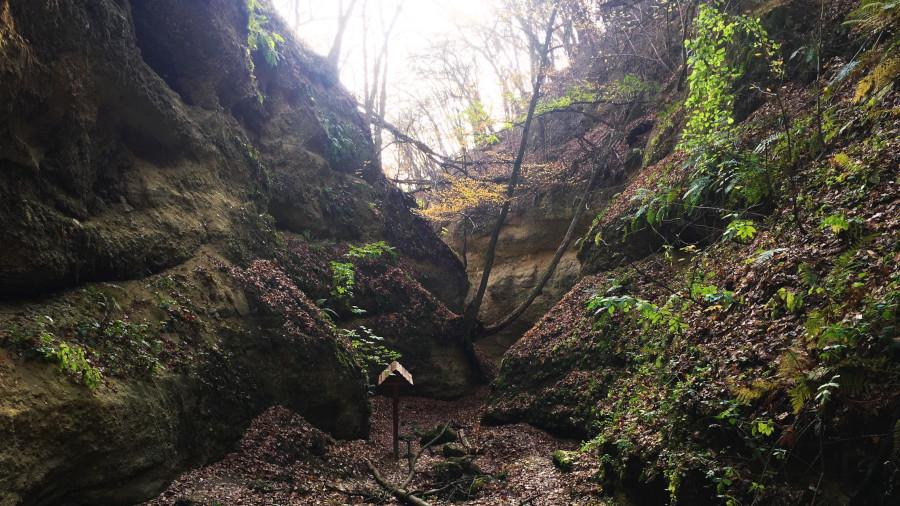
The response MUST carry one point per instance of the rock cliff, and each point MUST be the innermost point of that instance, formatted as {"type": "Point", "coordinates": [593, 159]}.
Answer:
{"type": "Point", "coordinates": [154, 157]}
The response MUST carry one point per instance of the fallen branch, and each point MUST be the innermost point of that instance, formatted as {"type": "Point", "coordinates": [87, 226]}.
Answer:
{"type": "Point", "coordinates": [465, 442]}
{"type": "Point", "coordinates": [365, 495]}
{"type": "Point", "coordinates": [401, 492]}
{"type": "Point", "coordinates": [440, 160]}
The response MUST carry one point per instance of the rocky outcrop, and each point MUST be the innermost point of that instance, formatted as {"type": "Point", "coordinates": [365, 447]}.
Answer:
{"type": "Point", "coordinates": [528, 241]}
{"type": "Point", "coordinates": [148, 158]}
{"type": "Point", "coordinates": [223, 361]}
{"type": "Point", "coordinates": [552, 376]}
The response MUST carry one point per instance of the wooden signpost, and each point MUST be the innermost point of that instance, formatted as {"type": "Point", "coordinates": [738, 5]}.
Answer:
{"type": "Point", "coordinates": [394, 377]}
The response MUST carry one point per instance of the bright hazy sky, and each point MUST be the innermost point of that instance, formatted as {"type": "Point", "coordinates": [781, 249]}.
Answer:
{"type": "Point", "coordinates": [420, 22]}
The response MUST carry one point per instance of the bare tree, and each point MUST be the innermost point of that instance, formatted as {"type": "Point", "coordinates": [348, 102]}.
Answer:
{"type": "Point", "coordinates": [334, 55]}
{"type": "Point", "coordinates": [597, 156]}
{"type": "Point", "coordinates": [471, 314]}
{"type": "Point", "coordinates": [627, 35]}
{"type": "Point", "coordinates": [375, 75]}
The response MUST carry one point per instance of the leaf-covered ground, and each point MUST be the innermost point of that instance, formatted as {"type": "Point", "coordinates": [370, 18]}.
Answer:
{"type": "Point", "coordinates": [778, 383]}
{"type": "Point", "coordinates": [283, 460]}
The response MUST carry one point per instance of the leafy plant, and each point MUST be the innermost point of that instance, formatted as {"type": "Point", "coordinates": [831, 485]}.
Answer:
{"type": "Point", "coordinates": [574, 95]}
{"type": "Point", "coordinates": [655, 206]}
{"type": "Point", "coordinates": [629, 87]}
{"type": "Point", "coordinates": [742, 230]}
{"type": "Point", "coordinates": [369, 349]}
{"type": "Point", "coordinates": [712, 295]}
{"type": "Point", "coordinates": [140, 344]}
{"type": "Point", "coordinates": [343, 276]}
{"type": "Point", "coordinates": [722, 175]}
{"type": "Point", "coordinates": [836, 222]}
{"type": "Point", "coordinates": [762, 427]}
{"type": "Point", "coordinates": [710, 100]}
{"type": "Point", "coordinates": [845, 168]}
{"type": "Point", "coordinates": [647, 312]}
{"type": "Point", "coordinates": [481, 124]}
{"type": "Point", "coordinates": [825, 390]}
{"type": "Point", "coordinates": [259, 37]}
{"type": "Point", "coordinates": [341, 145]}
{"type": "Point", "coordinates": [459, 194]}
{"type": "Point", "coordinates": [372, 251]}
{"type": "Point", "coordinates": [792, 300]}
{"type": "Point", "coordinates": [563, 459]}
{"type": "Point", "coordinates": [71, 359]}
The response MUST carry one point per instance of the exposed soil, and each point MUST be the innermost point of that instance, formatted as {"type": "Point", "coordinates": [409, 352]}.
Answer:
{"type": "Point", "coordinates": [283, 460]}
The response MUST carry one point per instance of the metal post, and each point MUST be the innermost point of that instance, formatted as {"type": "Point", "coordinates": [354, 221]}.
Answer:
{"type": "Point", "coordinates": [396, 389]}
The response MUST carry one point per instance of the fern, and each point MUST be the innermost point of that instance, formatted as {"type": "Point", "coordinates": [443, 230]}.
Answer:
{"type": "Point", "coordinates": [808, 276]}
{"type": "Point", "coordinates": [844, 72]}
{"type": "Point", "coordinates": [748, 394]}
{"type": "Point", "coordinates": [897, 438]}
{"type": "Point", "coordinates": [799, 395]}
{"type": "Point", "coordinates": [855, 381]}
{"type": "Point", "coordinates": [791, 370]}
{"type": "Point", "coordinates": [875, 15]}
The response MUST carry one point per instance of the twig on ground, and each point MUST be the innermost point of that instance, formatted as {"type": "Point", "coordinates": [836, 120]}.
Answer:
{"type": "Point", "coordinates": [401, 491]}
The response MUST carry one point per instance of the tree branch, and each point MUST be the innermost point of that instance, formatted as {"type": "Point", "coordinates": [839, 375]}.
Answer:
{"type": "Point", "coordinates": [564, 244]}
{"type": "Point", "coordinates": [471, 314]}
{"type": "Point", "coordinates": [401, 492]}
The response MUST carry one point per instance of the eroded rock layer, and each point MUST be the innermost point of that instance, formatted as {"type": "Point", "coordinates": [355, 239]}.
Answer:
{"type": "Point", "coordinates": [151, 164]}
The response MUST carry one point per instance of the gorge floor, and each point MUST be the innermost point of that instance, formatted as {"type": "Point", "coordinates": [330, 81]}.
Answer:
{"type": "Point", "coordinates": [282, 460]}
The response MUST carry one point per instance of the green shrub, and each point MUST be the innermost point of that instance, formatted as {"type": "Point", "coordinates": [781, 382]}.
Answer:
{"type": "Point", "coordinates": [741, 230]}
{"type": "Point", "coordinates": [563, 459]}
{"type": "Point", "coordinates": [722, 177]}
{"type": "Point", "coordinates": [837, 223]}
{"type": "Point", "coordinates": [259, 37]}
{"type": "Point", "coordinates": [343, 278]}
{"type": "Point", "coordinates": [372, 251]}
{"type": "Point", "coordinates": [648, 313]}
{"type": "Point", "coordinates": [70, 359]}
{"type": "Point", "coordinates": [369, 350]}
{"type": "Point", "coordinates": [710, 101]}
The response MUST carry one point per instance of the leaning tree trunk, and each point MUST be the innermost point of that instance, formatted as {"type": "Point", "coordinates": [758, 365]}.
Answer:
{"type": "Point", "coordinates": [470, 317]}
{"type": "Point", "coordinates": [560, 251]}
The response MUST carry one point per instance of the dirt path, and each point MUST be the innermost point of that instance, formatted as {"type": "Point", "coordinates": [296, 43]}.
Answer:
{"type": "Point", "coordinates": [284, 461]}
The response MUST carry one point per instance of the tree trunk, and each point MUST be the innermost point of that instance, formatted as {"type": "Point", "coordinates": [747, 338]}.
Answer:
{"type": "Point", "coordinates": [560, 251]}
{"type": "Point", "coordinates": [470, 317]}
{"type": "Point", "coordinates": [334, 55]}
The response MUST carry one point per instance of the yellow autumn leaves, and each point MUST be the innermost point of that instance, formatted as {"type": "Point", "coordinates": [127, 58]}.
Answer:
{"type": "Point", "coordinates": [460, 194]}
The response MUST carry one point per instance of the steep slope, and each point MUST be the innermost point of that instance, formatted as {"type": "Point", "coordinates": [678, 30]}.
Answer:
{"type": "Point", "coordinates": [153, 169]}
{"type": "Point", "coordinates": [724, 352]}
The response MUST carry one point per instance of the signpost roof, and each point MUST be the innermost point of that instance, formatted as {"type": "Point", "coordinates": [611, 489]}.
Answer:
{"type": "Point", "coordinates": [395, 367]}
